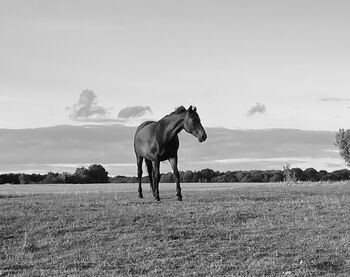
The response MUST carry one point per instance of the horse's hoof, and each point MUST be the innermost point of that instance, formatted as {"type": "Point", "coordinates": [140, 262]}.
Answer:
{"type": "Point", "coordinates": [157, 198]}
{"type": "Point", "coordinates": [140, 196]}
{"type": "Point", "coordinates": [179, 197]}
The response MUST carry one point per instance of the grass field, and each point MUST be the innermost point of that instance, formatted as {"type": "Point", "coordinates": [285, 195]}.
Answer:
{"type": "Point", "coordinates": [237, 230]}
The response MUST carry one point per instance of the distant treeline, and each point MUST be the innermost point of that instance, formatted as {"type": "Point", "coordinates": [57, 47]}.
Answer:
{"type": "Point", "coordinates": [93, 174]}
{"type": "Point", "coordinates": [211, 176]}
{"type": "Point", "coordinates": [97, 174]}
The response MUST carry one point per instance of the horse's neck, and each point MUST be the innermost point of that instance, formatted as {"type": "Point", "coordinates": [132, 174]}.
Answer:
{"type": "Point", "coordinates": [169, 127]}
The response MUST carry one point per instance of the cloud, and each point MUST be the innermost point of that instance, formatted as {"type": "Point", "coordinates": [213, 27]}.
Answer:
{"type": "Point", "coordinates": [257, 108]}
{"type": "Point", "coordinates": [134, 111]}
{"type": "Point", "coordinates": [334, 99]}
{"type": "Point", "coordinates": [86, 109]}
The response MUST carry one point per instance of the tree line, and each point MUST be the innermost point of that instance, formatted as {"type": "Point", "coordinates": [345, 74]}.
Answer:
{"type": "Point", "coordinates": [257, 176]}
{"type": "Point", "coordinates": [97, 174]}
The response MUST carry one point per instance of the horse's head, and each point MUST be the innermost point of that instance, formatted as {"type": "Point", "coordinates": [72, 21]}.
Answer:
{"type": "Point", "coordinates": [192, 124]}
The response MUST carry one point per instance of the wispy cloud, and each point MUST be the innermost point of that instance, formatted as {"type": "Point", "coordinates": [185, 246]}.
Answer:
{"type": "Point", "coordinates": [257, 108]}
{"type": "Point", "coordinates": [86, 109]}
{"type": "Point", "coordinates": [335, 99]}
{"type": "Point", "coordinates": [134, 111]}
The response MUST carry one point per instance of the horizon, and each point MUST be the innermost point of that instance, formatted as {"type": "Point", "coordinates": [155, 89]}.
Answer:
{"type": "Point", "coordinates": [86, 166]}
{"type": "Point", "coordinates": [61, 148]}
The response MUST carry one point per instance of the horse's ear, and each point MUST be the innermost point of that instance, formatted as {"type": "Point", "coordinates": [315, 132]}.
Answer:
{"type": "Point", "coordinates": [190, 109]}
{"type": "Point", "coordinates": [194, 109]}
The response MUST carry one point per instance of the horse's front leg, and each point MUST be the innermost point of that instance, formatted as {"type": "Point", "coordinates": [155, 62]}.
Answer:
{"type": "Point", "coordinates": [156, 179]}
{"type": "Point", "coordinates": [173, 163]}
{"type": "Point", "coordinates": [139, 175]}
{"type": "Point", "coordinates": [150, 173]}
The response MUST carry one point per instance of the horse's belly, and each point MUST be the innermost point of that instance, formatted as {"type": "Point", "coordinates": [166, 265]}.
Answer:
{"type": "Point", "coordinates": [168, 152]}
{"type": "Point", "coordinates": [149, 152]}
{"type": "Point", "coordinates": [145, 150]}
{"type": "Point", "coordinates": [166, 156]}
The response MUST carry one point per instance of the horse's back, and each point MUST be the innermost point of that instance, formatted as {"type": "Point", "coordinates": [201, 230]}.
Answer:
{"type": "Point", "coordinates": [143, 125]}
{"type": "Point", "coordinates": [144, 139]}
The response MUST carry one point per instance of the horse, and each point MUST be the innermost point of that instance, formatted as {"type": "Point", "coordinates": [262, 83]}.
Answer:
{"type": "Point", "coordinates": [157, 141]}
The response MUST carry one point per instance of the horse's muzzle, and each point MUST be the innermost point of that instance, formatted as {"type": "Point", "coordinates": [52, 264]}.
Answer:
{"type": "Point", "coordinates": [202, 138]}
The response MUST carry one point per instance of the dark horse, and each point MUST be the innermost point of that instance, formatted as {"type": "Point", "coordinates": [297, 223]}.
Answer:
{"type": "Point", "coordinates": [158, 141]}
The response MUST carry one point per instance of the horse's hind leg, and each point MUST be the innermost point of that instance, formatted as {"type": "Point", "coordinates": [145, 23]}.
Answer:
{"type": "Point", "coordinates": [139, 174]}
{"type": "Point", "coordinates": [173, 163]}
{"type": "Point", "coordinates": [156, 180]}
{"type": "Point", "coordinates": [150, 173]}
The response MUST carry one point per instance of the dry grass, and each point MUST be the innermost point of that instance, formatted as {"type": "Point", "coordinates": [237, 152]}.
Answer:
{"type": "Point", "coordinates": [261, 230]}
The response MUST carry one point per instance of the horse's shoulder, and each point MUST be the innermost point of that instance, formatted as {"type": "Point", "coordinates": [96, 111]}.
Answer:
{"type": "Point", "coordinates": [144, 124]}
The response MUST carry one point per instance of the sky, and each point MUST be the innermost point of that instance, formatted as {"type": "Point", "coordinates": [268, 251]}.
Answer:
{"type": "Point", "coordinates": [244, 64]}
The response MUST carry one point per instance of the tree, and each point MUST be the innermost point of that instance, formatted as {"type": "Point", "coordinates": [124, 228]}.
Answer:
{"type": "Point", "coordinates": [288, 176]}
{"type": "Point", "coordinates": [96, 173]}
{"type": "Point", "coordinates": [24, 179]}
{"type": "Point", "coordinates": [80, 175]}
{"type": "Point", "coordinates": [51, 178]}
{"type": "Point", "coordinates": [298, 174]}
{"type": "Point", "coordinates": [341, 175]}
{"type": "Point", "coordinates": [342, 140]}
{"type": "Point", "coordinates": [321, 175]}
{"type": "Point", "coordinates": [165, 178]}
{"type": "Point", "coordinates": [277, 177]}
{"type": "Point", "coordinates": [207, 174]}
{"type": "Point", "coordinates": [311, 174]}
{"type": "Point", "coordinates": [256, 176]}
{"type": "Point", "coordinates": [36, 178]}
{"type": "Point", "coordinates": [327, 177]}
{"type": "Point", "coordinates": [230, 176]}
{"type": "Point", "coordinates": [64, 177]}
{"type": "Point", "coordinates": [239, 175]}
{"type": "Point", "coordinates": [246, 178]}
{"type": "Point", "coordinates": [10, 178]}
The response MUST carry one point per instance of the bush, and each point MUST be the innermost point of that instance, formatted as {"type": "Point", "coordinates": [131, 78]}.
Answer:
{"type": "Point", "coordinates": [24, 179]}
{"type": "Point", "coordinates": [51, 178]}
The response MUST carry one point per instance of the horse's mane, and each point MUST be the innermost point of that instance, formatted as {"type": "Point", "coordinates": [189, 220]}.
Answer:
{"type": "Point", "coordinates": [178, 110]}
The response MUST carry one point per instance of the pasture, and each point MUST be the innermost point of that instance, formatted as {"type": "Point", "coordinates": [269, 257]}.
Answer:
{"type": "Point", "coordinates": [218, 230]}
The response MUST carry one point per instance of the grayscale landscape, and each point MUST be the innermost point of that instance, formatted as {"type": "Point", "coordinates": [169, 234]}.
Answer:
{"type": "Point", "coordinates": [174, 138]}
